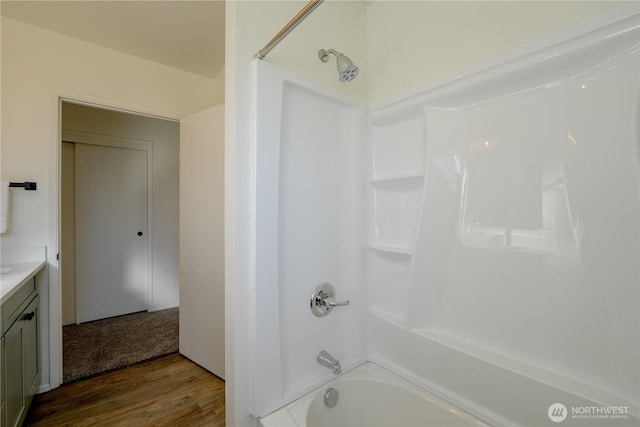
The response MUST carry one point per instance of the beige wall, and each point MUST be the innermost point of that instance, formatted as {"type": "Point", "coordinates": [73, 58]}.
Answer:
{"type": "Point", "coordinates": [68, 233]}
{"type": "Point", "coordinates": [165, 139]}
{"type": "Point", "coordinates": [202, 238]}
{"type": "Point", "coordinates": [38, 67]}
{"type": "Point", "coordinates": [218, 88]}
{"type": "Point", "coordinates": [412, 44]}
{"type": "Point", "coordinates": [338, 25]}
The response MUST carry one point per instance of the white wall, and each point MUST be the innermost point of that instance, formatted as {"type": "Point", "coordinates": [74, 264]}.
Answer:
{"type": "Point", "coordinates": [417, 43]}
{"type": "Point", "coordinates": [202, 238]}
{"type": "Point", "coordinates": [250, 25]}
{"type": "Point", "coordinates": [38, 67]}
{"type": "Point", "coordinates": [165, 138]}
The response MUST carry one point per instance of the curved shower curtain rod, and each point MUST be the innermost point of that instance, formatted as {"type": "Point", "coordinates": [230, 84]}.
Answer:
{"type": "Point", "coordinates": [306, 11]}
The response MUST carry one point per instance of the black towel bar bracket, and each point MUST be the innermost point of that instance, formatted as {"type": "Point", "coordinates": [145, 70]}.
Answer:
{"type": "Point", "coordinates": [26, 185]}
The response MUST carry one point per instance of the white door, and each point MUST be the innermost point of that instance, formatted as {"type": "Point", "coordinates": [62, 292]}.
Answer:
{"type": "Point", "coordinates": [111, 231]}
{"type": "Point", "coordinates": [202, 238]}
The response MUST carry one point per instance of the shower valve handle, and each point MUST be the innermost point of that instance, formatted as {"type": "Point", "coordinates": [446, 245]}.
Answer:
{"type": "Point", "coordinates": [323, 300]}
{"type": "Point", "coordinates": [332, 302]}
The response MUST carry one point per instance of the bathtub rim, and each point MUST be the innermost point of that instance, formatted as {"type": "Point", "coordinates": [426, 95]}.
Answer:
{"type": "Point", "coordinates": [293, 413]}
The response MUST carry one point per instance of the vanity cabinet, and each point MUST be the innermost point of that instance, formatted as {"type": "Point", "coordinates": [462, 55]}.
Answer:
{"type": "Point", "coordinates": [20, 376]}
{"type": "Point", "coordinates": [3, 391]}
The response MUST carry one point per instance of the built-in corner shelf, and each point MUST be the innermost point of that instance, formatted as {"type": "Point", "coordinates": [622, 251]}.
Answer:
{"type": "Point", "coordinates": [395, 191]}
{"type": "Point", "coordinates": [394, 205]}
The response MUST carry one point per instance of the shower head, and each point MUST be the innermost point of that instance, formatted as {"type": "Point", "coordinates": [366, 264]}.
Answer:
{"type": "Point", "coordinates": [347, 70]}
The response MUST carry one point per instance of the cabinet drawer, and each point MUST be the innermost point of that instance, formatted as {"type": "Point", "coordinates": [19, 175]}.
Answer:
{"type": "Point", "coordinates": [12, 308]}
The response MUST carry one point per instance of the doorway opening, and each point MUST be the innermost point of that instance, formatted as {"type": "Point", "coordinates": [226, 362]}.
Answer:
{"type": "Point", "coordinates": [119, 238]}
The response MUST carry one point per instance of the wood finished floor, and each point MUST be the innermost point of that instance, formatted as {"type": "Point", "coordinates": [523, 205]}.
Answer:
{"type": "Point", "coordinates": [170, 391]}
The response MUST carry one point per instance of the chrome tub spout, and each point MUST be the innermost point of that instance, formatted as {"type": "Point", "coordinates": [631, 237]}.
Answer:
{"type": "Point", "coordinates": [325, 359]}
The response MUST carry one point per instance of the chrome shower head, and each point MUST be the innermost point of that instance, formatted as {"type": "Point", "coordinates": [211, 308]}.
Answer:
{"type": "Point", "coordinates": [347, 70]}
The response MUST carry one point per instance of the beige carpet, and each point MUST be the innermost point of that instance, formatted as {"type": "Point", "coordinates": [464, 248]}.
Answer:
{"type": "Point", "coordinates": [103, 345]}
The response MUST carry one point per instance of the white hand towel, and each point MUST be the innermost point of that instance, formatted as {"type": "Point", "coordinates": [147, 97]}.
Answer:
{"type": "Point", "coordinates": [4, 206]}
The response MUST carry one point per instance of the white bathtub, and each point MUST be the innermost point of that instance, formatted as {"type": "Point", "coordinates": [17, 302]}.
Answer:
{"type": "Point", "coordinates": [371, 396]}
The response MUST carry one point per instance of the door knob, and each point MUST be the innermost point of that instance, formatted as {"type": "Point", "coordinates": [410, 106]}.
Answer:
{"type": "Point", "coordinates": [139, 233]}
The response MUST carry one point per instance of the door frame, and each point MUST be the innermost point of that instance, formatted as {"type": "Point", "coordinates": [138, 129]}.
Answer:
{"type": "Point", "coordinates": [80, 137]}
{"type": "Point", "coordinates": [52, 338]}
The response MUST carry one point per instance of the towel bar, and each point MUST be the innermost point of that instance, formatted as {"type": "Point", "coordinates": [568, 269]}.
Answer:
{"type": "Point", "coordinates": [25, 185]}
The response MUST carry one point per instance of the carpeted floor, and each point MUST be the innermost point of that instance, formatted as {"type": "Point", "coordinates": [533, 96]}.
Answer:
{"type": "Point", "coordinates": [103, 345]}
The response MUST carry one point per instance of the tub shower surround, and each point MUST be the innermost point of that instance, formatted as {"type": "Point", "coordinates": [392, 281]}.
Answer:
{"type": "Point", "coordinates": [310, 201]}
{"type": "Point", "coordinates": [502, 235]}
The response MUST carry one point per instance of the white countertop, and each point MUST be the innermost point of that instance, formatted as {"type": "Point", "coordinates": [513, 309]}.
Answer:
{"type": "Point", "coordinates": [18, 275]}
